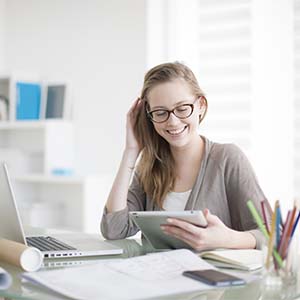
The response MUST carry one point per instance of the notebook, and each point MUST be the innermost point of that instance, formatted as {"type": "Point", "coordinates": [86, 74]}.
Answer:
{"type": "Point", "coordinates": [70, 245]}
{"type": "Point", "coordinates": [241, 259]}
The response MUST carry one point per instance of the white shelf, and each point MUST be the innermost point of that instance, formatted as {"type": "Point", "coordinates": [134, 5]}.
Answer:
{"type": "Point", "coordinates": [57, 201]}
{"type": "Point", "coordinates": [51, 179]}
{"type": "Point", "coordinates": [34, 124]}
{"type": "Point", "coordinates": [37, 146]}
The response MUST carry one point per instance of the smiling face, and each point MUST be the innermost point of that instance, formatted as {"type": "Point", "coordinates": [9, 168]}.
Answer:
{"type": "Point", "coordinates": [169, 95]}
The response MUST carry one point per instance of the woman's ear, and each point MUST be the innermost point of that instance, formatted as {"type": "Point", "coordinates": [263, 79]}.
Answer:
{"type": "Point", "coordinates": [203, 104]}
{"type": "Point", "coordinates": [203, 108]}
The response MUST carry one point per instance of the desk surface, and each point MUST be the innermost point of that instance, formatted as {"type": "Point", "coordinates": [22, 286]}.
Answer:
{"type": "Point", "coordinates": [21, 289]}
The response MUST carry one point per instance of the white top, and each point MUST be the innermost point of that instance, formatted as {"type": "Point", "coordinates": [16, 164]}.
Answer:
{"type": "Point", "coordinates": [176, 201]}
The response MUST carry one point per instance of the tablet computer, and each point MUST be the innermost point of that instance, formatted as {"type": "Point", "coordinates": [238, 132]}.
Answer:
{"type": "Point", "coordinates": [149, 223]}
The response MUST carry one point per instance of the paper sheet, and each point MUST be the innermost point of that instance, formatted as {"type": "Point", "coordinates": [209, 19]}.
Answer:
{"type": "Point", "coordinates": [151, 275]}
{"type": "Point", "coordinates": [5, 279]}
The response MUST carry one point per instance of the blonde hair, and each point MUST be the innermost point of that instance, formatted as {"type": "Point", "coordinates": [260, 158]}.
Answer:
{"type": "Point", "coordinates": [156, 167]}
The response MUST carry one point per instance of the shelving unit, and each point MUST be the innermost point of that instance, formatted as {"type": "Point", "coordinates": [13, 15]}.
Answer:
{"type": "Point", "coordinates": [33, 150]}
{"type": "Point", "coordinates": [38, 146]}
{"type": "Point", "coordinates": [60, 202]}
{"type": "Point", "coordinates": [39, 154]}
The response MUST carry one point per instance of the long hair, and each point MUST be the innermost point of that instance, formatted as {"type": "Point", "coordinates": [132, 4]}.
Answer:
{"type": "Point", "coordinates": [156, 167]}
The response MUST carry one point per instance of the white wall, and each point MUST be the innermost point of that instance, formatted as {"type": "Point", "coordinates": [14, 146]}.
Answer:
{"type": "Point", "coordinates": [99, 47]}
{"type": "Point", "coordinates": [2, 34]}
{"type": "Point", "coordinates": [273, 98]}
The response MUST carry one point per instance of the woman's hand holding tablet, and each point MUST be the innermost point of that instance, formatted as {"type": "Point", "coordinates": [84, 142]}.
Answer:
{"type": "Point", "coordinates": [150, 222]}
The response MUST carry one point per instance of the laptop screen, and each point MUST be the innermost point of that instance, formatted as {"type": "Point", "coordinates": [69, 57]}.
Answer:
{"type": "Point", "coordinates": [10, 223]}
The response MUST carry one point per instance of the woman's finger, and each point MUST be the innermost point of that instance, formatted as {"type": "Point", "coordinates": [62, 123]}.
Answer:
{"type": "Point", "coordinates": [134, 105]}
{"type": "Point", "coordinates": [183, 236]}
{"type": "Point", "coordinates": [185, 225]}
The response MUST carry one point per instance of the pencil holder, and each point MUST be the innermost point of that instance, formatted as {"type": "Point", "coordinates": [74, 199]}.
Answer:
{"type": "Point", "coordinates": [281, 251]}
{"type": "Point", "coordinates": [291, 263]}
{"type": "Point", "coordinates": [276, 276]}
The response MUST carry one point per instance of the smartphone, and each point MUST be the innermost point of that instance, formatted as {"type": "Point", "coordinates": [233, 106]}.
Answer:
{"type": "Point", "coordinates": [214, 277]}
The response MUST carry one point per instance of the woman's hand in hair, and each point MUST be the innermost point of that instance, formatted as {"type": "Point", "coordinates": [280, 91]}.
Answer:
{"type": "Point", "coordinates": [215, 235]}
{"type": "Point", "coordinates": [131, 140]}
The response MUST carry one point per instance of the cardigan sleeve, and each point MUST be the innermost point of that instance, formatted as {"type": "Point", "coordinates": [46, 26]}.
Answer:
{"type": "Point", "coordinates": [117, 225]}
{"type": "Point", "coordinates": [242, 185]}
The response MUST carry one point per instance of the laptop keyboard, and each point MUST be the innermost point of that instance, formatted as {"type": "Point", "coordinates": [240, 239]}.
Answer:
{"type": "Point", "coordinates": [47, 243]}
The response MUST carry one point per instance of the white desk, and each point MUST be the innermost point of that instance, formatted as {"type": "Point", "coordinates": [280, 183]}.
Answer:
{"type": "Point", "coordinates": [21, 289]}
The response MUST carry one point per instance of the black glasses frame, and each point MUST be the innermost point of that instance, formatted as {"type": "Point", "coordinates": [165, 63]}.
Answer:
{"type": "Point", "coordinates": [149, 113]}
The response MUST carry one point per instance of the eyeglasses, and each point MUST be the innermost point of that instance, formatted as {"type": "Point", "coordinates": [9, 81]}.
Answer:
{"type": "Point", "coordinates": [181, 112]}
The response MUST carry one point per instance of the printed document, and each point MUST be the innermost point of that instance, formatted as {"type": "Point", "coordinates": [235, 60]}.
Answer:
{"type": "Point", "coordinates": [147, 276]}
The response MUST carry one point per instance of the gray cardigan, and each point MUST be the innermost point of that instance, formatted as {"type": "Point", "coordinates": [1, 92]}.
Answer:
{"type": "Point", "coordinates": [226, 181]}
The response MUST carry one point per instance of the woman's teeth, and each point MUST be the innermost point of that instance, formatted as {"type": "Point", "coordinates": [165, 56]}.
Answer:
{"type": "Point", "coordinates": [176, 131]}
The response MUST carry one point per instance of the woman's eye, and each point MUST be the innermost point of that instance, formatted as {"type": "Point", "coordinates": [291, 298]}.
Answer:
{"type": "Point", "coordinates": [161, 113]}
{"type": "Point", "coordinates": [182, 109]}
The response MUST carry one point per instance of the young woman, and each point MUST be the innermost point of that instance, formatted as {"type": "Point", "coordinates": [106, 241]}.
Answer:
{"type": "Point", "coordinates": [179, 169]}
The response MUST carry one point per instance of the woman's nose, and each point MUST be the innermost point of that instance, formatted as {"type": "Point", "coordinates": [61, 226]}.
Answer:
{"type": "Point", "coordinates": [172, 119]}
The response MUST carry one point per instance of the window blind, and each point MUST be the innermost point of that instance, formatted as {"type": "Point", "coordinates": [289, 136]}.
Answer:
{"type": "Point", "coordinates": [297, 97]}
{"type": "Point", "coordinates": [224, 51]}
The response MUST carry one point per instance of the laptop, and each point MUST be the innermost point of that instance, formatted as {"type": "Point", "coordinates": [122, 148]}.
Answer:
{"type": "Point", "coordinates": [72, 245]}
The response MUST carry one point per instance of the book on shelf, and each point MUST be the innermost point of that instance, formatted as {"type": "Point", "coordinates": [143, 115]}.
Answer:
{"type": "Point", "coordinates": [3, 108]}
{"type": "Point", "coordinates": [4, 98]}
{"type": "Point", "coordinates": [28, 100]}
{"type": "Point", "coordinates": [241, 259]}
{"type": "Point", "coordinates": [55, 101]}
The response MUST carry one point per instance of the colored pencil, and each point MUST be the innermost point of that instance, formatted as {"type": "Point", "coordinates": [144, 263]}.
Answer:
{"type": "Point", "coordinates": [262, 204]}
{"type": "Point", "coordinates": [287, 236]}
{"type": "Point", "coordinates": [278, 220]}
{"type": "Point", "coordinates": [257, 218]}
{"type": "Point", "coordinates": [295, 224]}
{"type": "Point", "coordinates": [285, 226]}
{"type": "Point", "coordinates": [269, 208]}
{"type": "Point", "coordinates": [280, 215]}
{"type": "Point", "coordinates": [272, 236]}
{"type": "Point", "coordinates": [262, 227]}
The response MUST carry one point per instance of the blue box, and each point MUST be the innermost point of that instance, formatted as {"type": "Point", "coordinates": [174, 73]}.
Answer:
{"type": "Point", "coordinates": [28, 99]}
